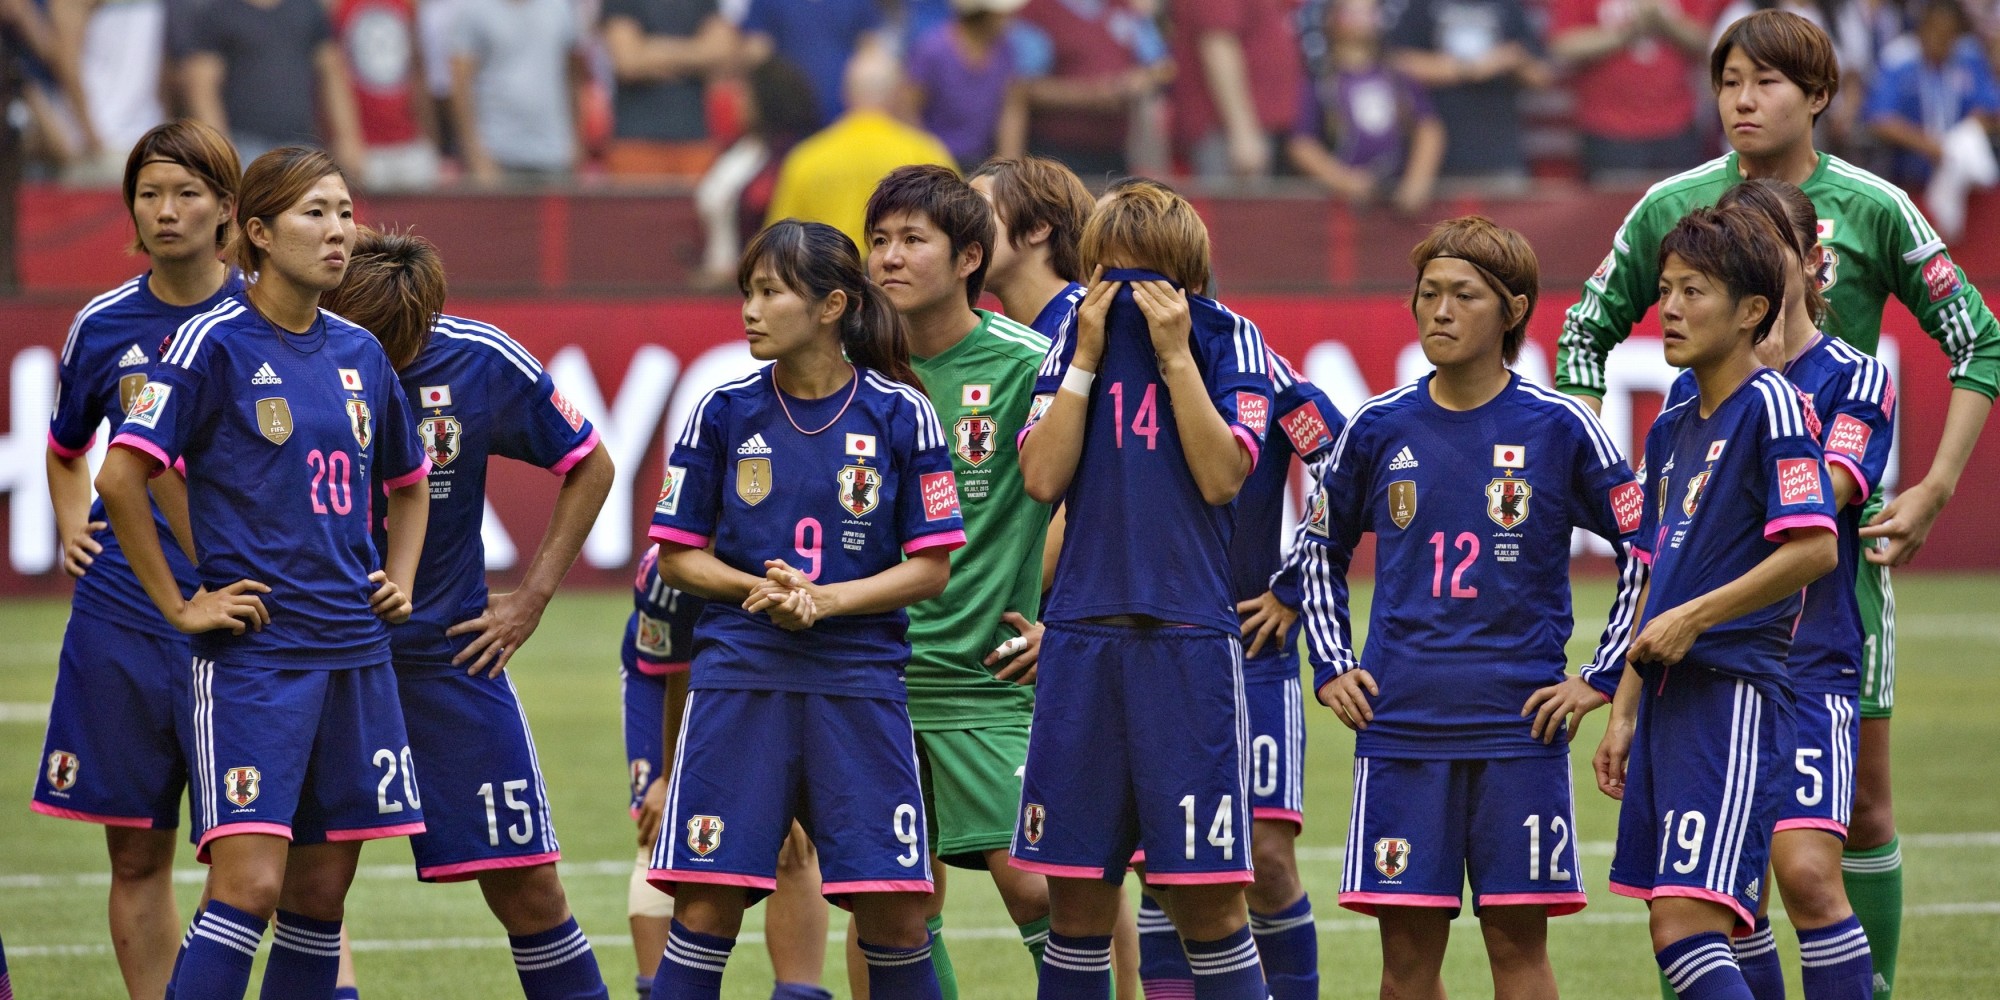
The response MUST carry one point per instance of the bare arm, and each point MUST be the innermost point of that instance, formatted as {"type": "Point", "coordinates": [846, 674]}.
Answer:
{"type": "Point", "coordinates": [1432, 69]}
{"type": "Point", "coordinates": [1906, 521]}
{"type": "Point", "coordinates": [122, 484]}
{"type": "Point", "coordinates": [66, 20]}
{"type": "Point", "coordinates": [1055, 443]}
{"type": "Point", "coordinates": [69, 494]}
{"type": "Point", "coordinates": [343, 118]}
{"type": "Point", "coordinates": [170, 494]}
{"type": "Point", "coordinates": [1420, 172]}
{"type": "Point", "coordinates": [919, 578]}
{"type": "Point", "coordinates": [1311, 158]}
{"type": "Point", "coordinates": [1805, 556]}
{"type": "Point", "coordinates": [1226, 70]}
{"type": "Point", "coordinates": [202, 74]}
{"type": "Point", "coordinates": [1010, 136]}
{"type": "Point", "coordinates": [1905, 134]}
{"type": "Point", "coordinates": [1589, 43]}
{"type": "Point", "coordinates": [699, 572]}
{"type": "Point", "coordinates": [408, 519]}
{"type": "Point", "coordinates": [465, 120]}
{"type": "Point", "coordinates": [637, 57]}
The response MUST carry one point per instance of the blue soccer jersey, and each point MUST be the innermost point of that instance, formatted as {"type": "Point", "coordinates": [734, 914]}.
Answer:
{"type": "Point", "coordinates": [1472, 513]}
{"type": "Point", "coordinates": [287, 438]}
{"type": "Point", "coordinates": [1310, 423]}
{"type": "Point", "coordinates": [660, 632]}
{"type": "Point", "coordinates": [476, 394]}
{"type": "Point", "coordinates": [844, 502]}
{"type": "Point", "coordinates": [1057, 321]}
{"type": "Point", "coordinates": [1141, 539]}
{"type": "Point", "coordinates": [111, 344]}
{"type": "Point", "coordinates": [1723, 492]}
{"type": "Point", "coordinates": [1856, 404]}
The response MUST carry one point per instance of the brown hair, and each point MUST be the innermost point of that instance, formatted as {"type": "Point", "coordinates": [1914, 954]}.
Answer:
{"type": "Point", "coordinates": [1786, 42]}
{"type": "Point", "coordinates": [198, 149]}
{"type": "Point", "coordinates": [1791, 212]}
{"type": "Point", "coordinates": [813, 259]}
{"type": "Point", "coordinates": [1738, 247]}
{"type": "Point", "coordinates": [394, 288]}
{"type": "Point", "coordinates": [940, 195]}
{"type": "Point", "coordinates": [1500, 255]}
{"type": "Point", "coordinates": [272, 184]}
{"type": "Point", "coordinates": [1036, 191]}
{"type": "Point", "coordinates": [1144, 223]}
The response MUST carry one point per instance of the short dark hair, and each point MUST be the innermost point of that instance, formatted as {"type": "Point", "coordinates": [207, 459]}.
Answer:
{"type": "Point", "coordinates": [1785, 42]}
{"type": "Point", "coordinates": [940, 195]}
{"type": "Point", "coordinates": [1036, 191]}
{"type": "Point", "coordinates": [1145, 224]}
{"type": "Point", "coordinates": [197, 148]}
{"type": "Point", "coordinates": [1740, 248]}
{"type": "Point", "coordinates": [1502, 257]}
{"type": "Point", "coordinates": [1791, 211]}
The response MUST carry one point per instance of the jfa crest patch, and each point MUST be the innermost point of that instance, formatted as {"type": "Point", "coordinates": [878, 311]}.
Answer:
{"type": "Point", "coordinates": [1829, 267]}
{"type": "Point", "coordinates": [974, 439]}
{"type": "Point", "coordinates": [151, 402]}
{"type": "Point", "coordinates": [861, 488]}
{"type": "Point", "coordinates": [1849, 437]}
{"type": "Point", "coordinates": [1696, 487]}
{"type": "Point", "coordinates": [1628, 503]}
{"type": "Point", "coordinates": [1306, 428]}
{"type": "Point", "coordinates": [62, 770]}
{"type": "Point", "coordinates": [1316, 516]}
{"type": "Point", "coordinates": [240, 785]}
{"type": "Point", "coordinates": [442, 439]}
{"type": "Point", "coordinates": [1253, 411]}
{"type": "Point", "coordinates": [940, 495]}
{"type": "Point", "coordinates": [670, 491]}
{"type": "Point", "coordinates": [569, 412]}
{"type": "Point", "coordinates": [274, 418]}
{"type": "Point", "coordinates": [1033, 819]}
{"type": "Point", "coordinates": [1392, 856]}
{"type": "Point", "coordinates": [1941, 277]}
{"type": "Point", "coordinates": [642, 775]}
{"type": "Point", "coordinates": [1798, 481]}
{"type": "Point", "coordinates": [704, 834]}
{"type": "Point", "coordinates": [360, 421]}
{"type": "Point", "coordinates": [1507, 501]}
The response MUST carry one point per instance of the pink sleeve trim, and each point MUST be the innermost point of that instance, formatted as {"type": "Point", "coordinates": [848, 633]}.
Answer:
{"type": "Point", "coordinates": [66, 451]}
{"type": "Point", "coordinates": [1832, 826]}
{"type": "Point", "coordinates": [471, 869]}
{"type": "Point", "coordinates": [1198, 878]}
{"type": "Point", "coordinates": [238, 829]}
{"type": "Point", "coordinates": [1642, 555]}
{"type": "Point", "coordinates": [376, 832]}
{"type": "Point", "coordinates": [1853, 469]}
{"type": "Point", "coordinates": [1054, 871]}
{"type": "Point", "coordinates": [1559, 904]}
{"type": "Point", "coordinates": [410, 478]}
{"type": "Point", "coordinates": [181, 466]}
{"type": "Point", "coordinates": [949, 539]}
{"type": "Point", "coordinates": [139, 444]}
{"type": "Point", "coordinates": [878, 885]}
{"type": "Point", "coordinates": [1367, 902]}
{"type": "Point", "coordinates": [654, 668]}
{"type": "Point", "coordinates": [1275, 814]}
{"type": "Point", "coordinates": [1022, 438]}
{"type": "Point", "coordinates": [133, 822]}
{"type": "Point", "coordinates": [1745, 920]}
{"type": "Point", "coordinates": [1249, 441]}
{"type": "Point", "coordinates": [1780, 529]}
{"type": "Point", "coordinates": [575, 455]}
{"type": "Point", "coordinates": [667, 533]}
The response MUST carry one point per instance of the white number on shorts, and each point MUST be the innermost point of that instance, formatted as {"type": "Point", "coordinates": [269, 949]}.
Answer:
{"type": "Point", "coordinates": [1804, 762]}
{"type": "Point", "coordinates": [905, 823]}
{"type": "Point", "coordinates": [1689, 834]}
{"type": "Point", "coordinates": [1560, 828]}
{"type": "Point", "coordinates": [386, 759]}
{"type": "Point", "coordinates": [1221, 829]}
{"type": "Point", "coordinates": [1264, 764]}
{"type": "Point", "coordinates": [519, 834]}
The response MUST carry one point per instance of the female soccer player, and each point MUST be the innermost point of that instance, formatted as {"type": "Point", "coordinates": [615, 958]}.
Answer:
{"type": "Point", "coordinates": [1774, 73]}
{"type": "Point", "coordinates": [1139, 738]}
{"type": "Point", "coordinates": [1738, 519]}
{"type": "Point", "coordinates": [478, 394]}
{"type": "Point", "coordinates": [796, 703]}
{"type": "Point", "coordinates": [113, 754]}
{"type": "Point", "coordinates": [1472, 480]}
{"type": "Point", "coordinates": [288, 418]}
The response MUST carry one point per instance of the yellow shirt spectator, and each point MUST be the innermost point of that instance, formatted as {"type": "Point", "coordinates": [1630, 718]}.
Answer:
{"type": "Point", "coordinates": [828, 177]}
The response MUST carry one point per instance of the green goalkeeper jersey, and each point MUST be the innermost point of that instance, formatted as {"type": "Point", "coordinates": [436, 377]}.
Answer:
{"type": "Point", "coordinates": [1878, 246]}
{"type": "Point", "coordinates": [981, 387]}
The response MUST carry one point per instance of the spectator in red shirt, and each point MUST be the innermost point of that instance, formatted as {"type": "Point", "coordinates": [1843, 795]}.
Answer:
{"type": "Point", "coordinates": [1088, 71]}
{"type": "Point", "coordinates": [1233, 100]}
{"type": "Point", "coordinates": [378, 39]}
{"type": "Point", "coordinates": [1631, 66]}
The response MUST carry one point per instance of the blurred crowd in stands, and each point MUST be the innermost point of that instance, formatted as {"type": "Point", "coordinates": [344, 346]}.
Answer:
{"type": "Point", "coordinates": [775, 107]}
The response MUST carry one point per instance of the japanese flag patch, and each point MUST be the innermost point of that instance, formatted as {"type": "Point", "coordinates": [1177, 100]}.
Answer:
{"type": "Point", "coordinates": [434, 395]}
{"type": "Point", "coordinates": [976, 395]}
{"type": "Point", "coordinates": [861, 445]}
{"type": "Point", "coordinates": [350, 379]}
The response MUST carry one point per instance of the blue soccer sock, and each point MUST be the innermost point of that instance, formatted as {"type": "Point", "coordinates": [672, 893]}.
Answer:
{"type": "Point", "coordinates": [1229, 969]}
{"type": "Point", "coordinates": [557, 964]}
{"type": "Point", "coordinates": [1075, 968]}
{"type": "Point", "coordinates": [901, 972]}
{"type": "Point", "coordinates": [800, 991]}
{"type": "Point", "coordinates": [1163, 967]}
{"type": "Point", "coordinates": [220, 952]}
{"type": "Point", "coordinates": [1836, 963]}
{"type": "Point", "coordinates": [644, 986]}
{"type": "Point", "coordinates": [691, 967]}
{"type": "Point", "coordinates": [305, 958]}
{"type": "Point", "coordinates": [347, 993]}
{"type": "Point", "coordinates": [1702, 967]}
{"type": "Point", "coordinates": [1289, 942]}
{"type": "Point", "coordinates": [1757, 957]}
{"type": "Point", "coordinates": [181, 955]}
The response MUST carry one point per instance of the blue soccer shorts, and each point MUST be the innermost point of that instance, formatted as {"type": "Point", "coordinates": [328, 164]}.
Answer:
{"type": "Point", "coordinates": [1277, 749]}
{"type": "Point", "coordinates": [1822, 779]}
{"type": "Point", "coordinates": [750, 762]}
{"type": "Point", "coordinates": [488, 806]}
{"type": "Point", "coordinates": [1140, 741]}
{"type": "Point", "coordinates": [309, 755]}
{"type": "Point", "coordinates": [1703, 786]}
{"type": "Point", "coordinates": [1418, 830]}
{"type": "Point", "coordinates": [642, 699]}
{"type": "Point", "coordinates": [114, 752]}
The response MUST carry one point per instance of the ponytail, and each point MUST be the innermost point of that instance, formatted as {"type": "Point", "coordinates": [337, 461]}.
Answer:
{"type": "Point", "coordinates": [814, 260]}
{"type": "Point", "coordinates": [871, 331]}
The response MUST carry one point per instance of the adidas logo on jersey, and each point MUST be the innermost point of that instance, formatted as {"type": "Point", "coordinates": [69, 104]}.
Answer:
{"type": "Point", "coordinates": [265, 376]}
{"type": "Point", "coordinates": [1403, 460]}
{"type": "Point", "coordinates": [133, 356]}
{"type": "Point", "coordinates": [754, 446]}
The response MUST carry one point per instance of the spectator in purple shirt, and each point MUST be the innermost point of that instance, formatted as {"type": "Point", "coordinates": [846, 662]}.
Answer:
{"type": "Point", "coordinates": [960, 77]}
{"type": "Point", "coordinates": [1364, 130]}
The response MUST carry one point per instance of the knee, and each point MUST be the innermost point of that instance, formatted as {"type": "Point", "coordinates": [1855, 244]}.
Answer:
{"type": "Point", "coordinates": [1515, 943]}
{"type": "Point", "coordinates": [900, 927]}
{"type": "Point", "coordinates": [254, 891]}
{"type": "Point", "coordinates": [1812, 898]}
{"type": "Point", "coordinates": [1026, 906]}
{"type": "Point", "coordinates": [1872, 824]}
{"type": "Point", "coordinates": [1277, 883]}
{"type": "Point", "coordinates": [142, 859]}
{"type": "Point", "coordinates": [526, 900]}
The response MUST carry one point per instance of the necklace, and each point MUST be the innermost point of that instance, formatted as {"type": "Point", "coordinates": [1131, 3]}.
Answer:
{"type": "Point", "coordinates": [290, 339]}
{"type": "Point", "coordinates": [853, 384]}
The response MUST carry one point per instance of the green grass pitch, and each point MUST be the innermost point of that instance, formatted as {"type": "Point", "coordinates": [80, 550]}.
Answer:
{"type": "Point", "coordinates": [438, 942]}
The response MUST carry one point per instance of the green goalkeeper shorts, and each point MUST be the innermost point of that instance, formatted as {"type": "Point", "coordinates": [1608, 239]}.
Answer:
{"type": "Point", "coordinates": [972, 789]}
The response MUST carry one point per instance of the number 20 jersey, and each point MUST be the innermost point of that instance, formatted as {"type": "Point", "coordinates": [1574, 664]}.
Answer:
{"type": "Point", "coordinates": [287, 443]}
{"type": "Point", "coordinates": [1472, 513]}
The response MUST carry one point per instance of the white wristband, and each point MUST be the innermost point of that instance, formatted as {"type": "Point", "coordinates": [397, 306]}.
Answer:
{"type": "Point", "coordinates": [1078, 381]}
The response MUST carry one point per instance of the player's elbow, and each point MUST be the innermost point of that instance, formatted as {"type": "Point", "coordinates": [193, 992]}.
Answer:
{"type": "Point", "coordinates": [123, 475]}
{"type": "Point", "coordinates": [1042, 482]}
{"type": "Point", "coordinates": [932, 573]}
{"type": "Point", "coordinates": [1823, 553]}
{"type": "Point", "coordinates": [1217, 494]}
